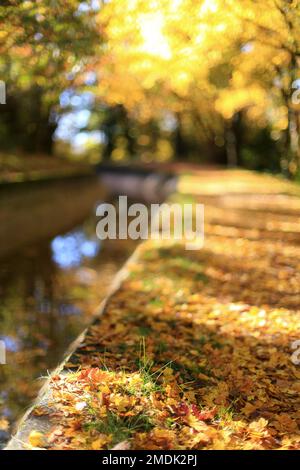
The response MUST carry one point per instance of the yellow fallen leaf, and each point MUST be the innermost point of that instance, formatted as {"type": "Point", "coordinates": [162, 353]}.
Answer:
{"type": "Point", "coordinates": [37, 439]}
{"type": "Point", "coordinates": [122, 403]}
{"type": "Point", "coordinates": [104, 389]}
{"type": "Point", "coordinates": [99, 443]}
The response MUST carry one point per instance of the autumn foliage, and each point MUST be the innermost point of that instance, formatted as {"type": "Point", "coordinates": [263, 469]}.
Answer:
{"type": "Point", "coordinates": [222, 74]}
{"type": "Point", "coordinates": [210, 62]}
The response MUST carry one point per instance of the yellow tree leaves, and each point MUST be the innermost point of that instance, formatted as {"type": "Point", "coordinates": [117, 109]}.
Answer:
{"type": "Point", "coordinates": [201, 56]}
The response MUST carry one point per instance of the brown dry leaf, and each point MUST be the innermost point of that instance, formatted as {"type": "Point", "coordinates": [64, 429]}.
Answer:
{"type": "Point", "coordinates": [285, 423]}
{"type": "Point", "coordinates": [248, 409]}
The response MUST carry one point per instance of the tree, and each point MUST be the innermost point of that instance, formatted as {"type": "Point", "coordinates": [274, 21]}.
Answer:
{"type": "Point", "coordinates": [44, 45]}
{"type": "Point", "coordinates": [222, 62]}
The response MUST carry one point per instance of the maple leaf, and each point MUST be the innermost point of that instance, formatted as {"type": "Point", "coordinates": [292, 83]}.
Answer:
{"type": "Point", "coordinates": [100, 442]}
{"type": "Point", "coordinates": [93, 374]}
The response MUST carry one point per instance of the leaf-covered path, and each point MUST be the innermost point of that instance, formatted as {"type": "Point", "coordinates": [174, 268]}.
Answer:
{"type": "Point", "coordinates": [194, 350]}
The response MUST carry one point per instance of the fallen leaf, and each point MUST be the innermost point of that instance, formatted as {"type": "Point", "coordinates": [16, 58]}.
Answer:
{"type": "Point", "coordinates": [37, 439]}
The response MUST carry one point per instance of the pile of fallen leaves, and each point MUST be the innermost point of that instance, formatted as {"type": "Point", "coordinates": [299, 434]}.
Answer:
{"type": "Point", "coordinates": [194, 350]}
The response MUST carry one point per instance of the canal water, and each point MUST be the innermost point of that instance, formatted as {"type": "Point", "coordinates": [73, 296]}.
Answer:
{"type": "Point", "coordinates": [49, 291]}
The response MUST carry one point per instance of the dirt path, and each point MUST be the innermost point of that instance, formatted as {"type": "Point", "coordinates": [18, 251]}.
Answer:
{"type": "Point", "coordinates": [194, 351]}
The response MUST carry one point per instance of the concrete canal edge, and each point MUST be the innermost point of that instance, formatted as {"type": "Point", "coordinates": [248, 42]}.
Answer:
{"type": "Point", "coordinates": [30, 422]}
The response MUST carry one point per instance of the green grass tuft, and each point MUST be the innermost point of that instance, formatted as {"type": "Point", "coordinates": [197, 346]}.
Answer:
{"type": "Point", "coordinates": [121, 428]}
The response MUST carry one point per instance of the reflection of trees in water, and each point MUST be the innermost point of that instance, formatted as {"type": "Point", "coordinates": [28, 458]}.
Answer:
{"type": "Point", "coordinates": [26, 287]}
{"type": "Point", "coordinates": [37, 322]}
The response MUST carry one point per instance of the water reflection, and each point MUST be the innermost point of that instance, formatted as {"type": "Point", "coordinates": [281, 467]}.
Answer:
{"type": "Point", "coordinates": [11, 344]}
{"type": "Point", "coordinates": [69, 250]}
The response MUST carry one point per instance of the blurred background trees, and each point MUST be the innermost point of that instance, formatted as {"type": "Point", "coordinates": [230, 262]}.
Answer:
{"type": "Point", "coordinates": [212, 81]}
{"type": "Point", "coordinates": [44, 46]}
